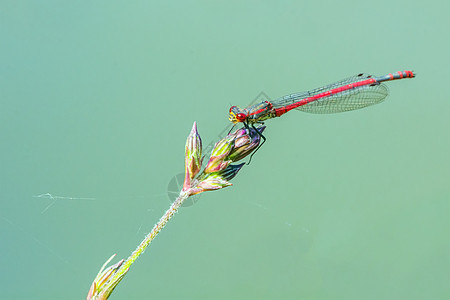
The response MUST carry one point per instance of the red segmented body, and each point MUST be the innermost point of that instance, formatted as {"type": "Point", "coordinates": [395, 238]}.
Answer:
{"type": "Point", "coordinates": [349, 94]}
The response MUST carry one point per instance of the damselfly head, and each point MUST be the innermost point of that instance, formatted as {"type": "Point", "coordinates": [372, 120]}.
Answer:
{"type": "Point", "coordinates": [237, 115]}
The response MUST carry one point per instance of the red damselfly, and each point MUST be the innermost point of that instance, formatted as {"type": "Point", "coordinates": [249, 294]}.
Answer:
{"type": "Point", "coordinates": [352, 93]}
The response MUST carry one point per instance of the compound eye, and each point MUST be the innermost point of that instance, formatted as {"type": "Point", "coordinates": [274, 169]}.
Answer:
{"type": "Point", "coordinates": [241, 117]}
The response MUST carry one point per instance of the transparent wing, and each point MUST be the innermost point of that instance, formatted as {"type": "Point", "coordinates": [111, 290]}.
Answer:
{"type": "Point", "coordinates": [351, 99]}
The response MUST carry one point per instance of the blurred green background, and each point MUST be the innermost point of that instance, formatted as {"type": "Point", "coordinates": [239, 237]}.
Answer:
{"type": "Point", "coordinates": [98, 97]}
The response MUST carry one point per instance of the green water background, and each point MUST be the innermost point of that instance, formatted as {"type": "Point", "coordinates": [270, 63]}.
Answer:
{"type": "Point", "coordinates": [97, 98]}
